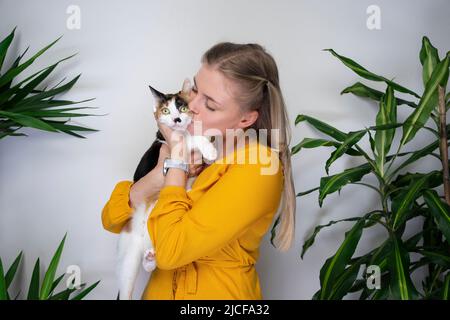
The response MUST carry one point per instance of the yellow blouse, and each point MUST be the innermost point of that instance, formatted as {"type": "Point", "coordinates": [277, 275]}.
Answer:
{"type": "Point", "coordinates": [207, 239]}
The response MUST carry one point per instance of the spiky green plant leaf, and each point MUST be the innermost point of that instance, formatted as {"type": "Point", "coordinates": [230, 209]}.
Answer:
{"type": "Point", "coordinates": [50, 274]}
{"type": "Point", "coordinates": [427, 103]}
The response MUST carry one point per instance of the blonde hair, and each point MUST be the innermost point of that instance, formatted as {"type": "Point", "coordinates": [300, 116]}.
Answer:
{"type": "Point", "coordinates": [255, 72]}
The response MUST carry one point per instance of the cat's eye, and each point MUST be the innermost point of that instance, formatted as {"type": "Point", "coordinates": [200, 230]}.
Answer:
{"type": "Point", "coordinates": [165, 111]}
{"type": "Point", "coordinates": [184, 109]}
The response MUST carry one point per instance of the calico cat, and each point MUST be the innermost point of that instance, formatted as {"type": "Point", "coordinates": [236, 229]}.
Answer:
{"type": "Point", "coordinates": [135, 245]}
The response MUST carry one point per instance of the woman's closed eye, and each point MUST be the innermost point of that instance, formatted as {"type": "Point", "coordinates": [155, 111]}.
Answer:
{"type": "Point", "coordinates": [208, 107]}
{"type": "Point", "coordinates": [195, 91]}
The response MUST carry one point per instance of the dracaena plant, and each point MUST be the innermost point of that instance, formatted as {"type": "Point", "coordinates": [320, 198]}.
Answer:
{"type": "Point", "coordinates": [45, 289]}
{"type": "Point", "coordinates": [25, 104]}
{"type": "Point", "coordinates": [402, 195]}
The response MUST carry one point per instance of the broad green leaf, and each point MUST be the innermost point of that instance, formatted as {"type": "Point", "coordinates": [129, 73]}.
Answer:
{"type": "Point", "coordinates": [33, 290]}
{"type": "Point", "coordinates": [440, 210]}
{"type": "Point", "coordinates": [404, 180]}
{"type": "Point", "coordinates": [401, 286]}
{"type": "Point", "coordinates": [403, 203]}
{"type": "Point", "coordinates": [426, 105]}
{"type": "Point", "coordinates": [429, 58]}
{"type": "Point", "coordinates": [50, 274]}
{"type": "Point", "coordinates": [361, 90]}
{"type": "Point", "coordinates": [4, 45]}
{"type": "Point", "coordinates": [28, 121]}
{"type": "Point", "coordinates": [330, 184]}
{"type": "Point", "coordinates": [416, 155]}
{"type": "Point", "coordinates": [378, 257]}
{"type": "Point", "coordinates": [385, 126]}
{"type": "Point", "coordinates": [322, 126]}
{"type": "Point", "coordinates": [351, 139]}
{"type": "Point", "coordinates": [310, 241]}
{"type": "Point", "coordinates": [387, 114]}
{"type": "Point", "coordinates": [363, 72]}
{"type": "Point", "coordinates": [12, 270]}
{"type": "Point", "coordinates": [314, 143]}
{"type": "Point", "coordinates": [346, 279]}
{"type": "Point", "coordinates": [336, 264]}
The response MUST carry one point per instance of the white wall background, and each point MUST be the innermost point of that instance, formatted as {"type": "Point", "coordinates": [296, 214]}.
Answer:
{"type": "Point", "coordinates": [55, 183]}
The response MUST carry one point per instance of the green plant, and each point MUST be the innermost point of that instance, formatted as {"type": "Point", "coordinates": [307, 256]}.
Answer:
{"type": "Point", "coordinates": [24, 105]}
{"type": "Point", "coordinates": [403, 196]}
{"type": "Point", "coordinates": [45, 290]}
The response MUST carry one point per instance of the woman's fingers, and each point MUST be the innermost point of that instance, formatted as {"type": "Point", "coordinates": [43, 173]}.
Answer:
{"type": "Point", "coordinates": [164, 152]}
{"type": "Point", "coordinates": [196, 164]}
{"type": "Point", "coordinates": [165, 130]}
{"type": "Point", "coordinates": [195, 169]}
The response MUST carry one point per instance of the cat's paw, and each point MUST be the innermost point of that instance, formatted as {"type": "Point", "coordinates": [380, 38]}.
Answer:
{"type": "Point", "coordinates": [149, 266]}
{"type": "Point", "coordinates": [210, 153]}
{"type": "Point", "coordinates": [149, 262]}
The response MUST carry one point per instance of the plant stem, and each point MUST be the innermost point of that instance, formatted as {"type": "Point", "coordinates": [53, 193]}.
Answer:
{"type": "Point", "coordinates": [443, 147]}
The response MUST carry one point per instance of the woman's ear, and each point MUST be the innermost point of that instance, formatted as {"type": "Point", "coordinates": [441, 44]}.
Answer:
{"type": "Point", "coordinates": [248, 119]}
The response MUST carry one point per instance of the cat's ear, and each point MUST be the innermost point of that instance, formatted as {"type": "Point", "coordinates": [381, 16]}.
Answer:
{"type": "Point", "coordinates": [187, 86]}
{"type": "Point", "coordinates": [159, 97]}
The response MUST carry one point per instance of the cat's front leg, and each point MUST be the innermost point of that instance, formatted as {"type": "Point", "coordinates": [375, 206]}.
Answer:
{"type": "Point", "coordinates": [203, 145]}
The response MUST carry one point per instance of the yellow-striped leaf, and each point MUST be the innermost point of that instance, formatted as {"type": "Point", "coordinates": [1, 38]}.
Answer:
{"type": "Point", "coordinates": [440, 210]}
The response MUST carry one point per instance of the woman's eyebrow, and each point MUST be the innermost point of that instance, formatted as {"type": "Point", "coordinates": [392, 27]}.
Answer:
{"type": "Point", "coordinates": [195, 84]}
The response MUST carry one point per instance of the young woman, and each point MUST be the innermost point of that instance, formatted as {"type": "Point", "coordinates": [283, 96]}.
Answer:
{"type": "Point", "coordinates": [207, 239]}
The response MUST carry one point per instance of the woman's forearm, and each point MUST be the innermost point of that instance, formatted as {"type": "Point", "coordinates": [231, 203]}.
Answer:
{"type": "Point", "coordinates": [147, 187]}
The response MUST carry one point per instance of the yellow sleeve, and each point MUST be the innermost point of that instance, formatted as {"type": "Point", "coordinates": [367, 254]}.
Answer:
{"type": "Point", "coordinates": [117, 210]}
{"type": "Point", "coordinates": [182, 233]}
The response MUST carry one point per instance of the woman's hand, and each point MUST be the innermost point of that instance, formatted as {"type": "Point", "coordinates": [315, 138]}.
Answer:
{"type": "Point", "coordinates": [176, 142]}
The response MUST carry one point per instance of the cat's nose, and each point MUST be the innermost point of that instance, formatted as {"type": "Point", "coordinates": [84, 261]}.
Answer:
{"type": "Point", "coordinates": [177, 120]}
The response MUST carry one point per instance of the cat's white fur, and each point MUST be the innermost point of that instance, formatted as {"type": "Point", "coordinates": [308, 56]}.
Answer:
{"type": "Point", "coordinates": [135, 247]}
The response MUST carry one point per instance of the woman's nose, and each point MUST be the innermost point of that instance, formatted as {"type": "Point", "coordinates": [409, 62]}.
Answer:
{"type": "Point", "coordinates": [193, 106]}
